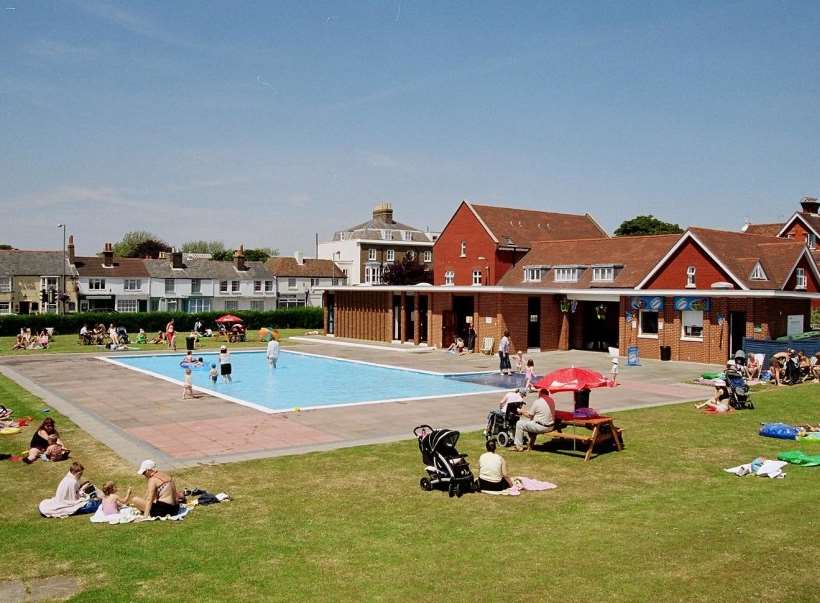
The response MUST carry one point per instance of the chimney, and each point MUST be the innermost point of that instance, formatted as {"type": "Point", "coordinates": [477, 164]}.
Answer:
{"type": "Point", "coordinates": [383, 212]}
{"type": "Point", "coordinates": [108, 255]}
{"type": "Point", "coordinates": [809, 205]}
{"type": "Point", "coordinates": [176, 259]}
{"type": "Point", "coordinates": [299, 256]}
{"type": "Point", "coordinates": [239, 258]}
{"type": "Point", "coordinates": [71, 256]}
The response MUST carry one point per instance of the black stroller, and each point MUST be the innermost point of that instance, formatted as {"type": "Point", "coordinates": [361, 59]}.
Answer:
{"type": "Point", "coordinates": [739, 395]}
{"type": "Point", "coordinates": [446, 467]}
{"type": "Point", "coordinates": [501, 425]}
{"type": "Point", "coordinates": [122, 335]}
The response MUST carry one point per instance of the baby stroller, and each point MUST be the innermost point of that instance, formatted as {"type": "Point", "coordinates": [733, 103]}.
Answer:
{"type": "Point", "coordinates": [739, 395]}
{"type": "Point", "coordinates": [446, 467]}
{"type": "Point", "coordinates": [501, 425]}
{"type": "Point", "coordinates": [122, 335]}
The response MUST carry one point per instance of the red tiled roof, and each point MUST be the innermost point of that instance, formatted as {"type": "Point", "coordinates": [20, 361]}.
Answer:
{"type": "Point", "coordinates": [288, 266]}
{"type": "Point", "coordinates": [122, 268]}
{"type": "Point", "coordinates": [770, 230]}
{"type": "Point", "coordinates": [633, 257]}
{"type": "Point", "coordinates": [813, 220]}
{"type": "Point", "coordinates": [522, 227]}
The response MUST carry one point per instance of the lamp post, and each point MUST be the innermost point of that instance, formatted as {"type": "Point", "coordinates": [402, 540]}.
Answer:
{"type": "Point", "coordinates": [62, 286]}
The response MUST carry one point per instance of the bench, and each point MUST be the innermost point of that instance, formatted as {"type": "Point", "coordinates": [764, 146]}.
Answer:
{"type": "Point", "coordinates": [602, 429]}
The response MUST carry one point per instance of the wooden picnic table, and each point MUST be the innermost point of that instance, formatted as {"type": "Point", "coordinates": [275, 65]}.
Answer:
{"type": "Point", "coordinates": [602, 429]}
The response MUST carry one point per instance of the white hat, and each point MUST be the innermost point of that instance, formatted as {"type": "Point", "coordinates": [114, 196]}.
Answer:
{"type": "Point", "coordinates": [146, 466]}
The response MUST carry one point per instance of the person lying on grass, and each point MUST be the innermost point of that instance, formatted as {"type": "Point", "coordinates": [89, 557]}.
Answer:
{"type": "Point", "coordinates": [161, 497]}
{"type": "Point", "coordinates": [55, 451]}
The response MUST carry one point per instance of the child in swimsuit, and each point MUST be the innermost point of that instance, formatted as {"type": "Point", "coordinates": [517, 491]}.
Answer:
{"type": "Point", "coordinates": [188, 387]}
{"type": "Point", "coordinates": [213, 373]}
{"type": "Point", "coordinates": [111, 502]}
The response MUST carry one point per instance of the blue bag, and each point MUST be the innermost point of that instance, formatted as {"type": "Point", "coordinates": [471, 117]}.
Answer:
{"type": "Point", "coordinates": [779, 430]}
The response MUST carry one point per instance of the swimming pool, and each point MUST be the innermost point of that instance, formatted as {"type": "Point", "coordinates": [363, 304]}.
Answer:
{"type": "Point", "coordinates": [305, 380]}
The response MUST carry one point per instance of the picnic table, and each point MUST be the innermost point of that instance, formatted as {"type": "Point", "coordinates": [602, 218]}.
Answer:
{"type": "Point", "coordinates": [602, 430]}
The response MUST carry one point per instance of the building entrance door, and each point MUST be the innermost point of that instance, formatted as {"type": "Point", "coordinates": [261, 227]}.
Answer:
{"type": "Point", "coordinates": [737, 331]}
{"type": "Point", "coordinates": [423, 307]}
{"type": "Point", "coordinates": [409, 325]}
{"type": "Point", "coordinates": [463, 308]}
{"type": "Point", "coordinates": [534, 323]}
{"type": "Point", "coordinates": [396, 317]}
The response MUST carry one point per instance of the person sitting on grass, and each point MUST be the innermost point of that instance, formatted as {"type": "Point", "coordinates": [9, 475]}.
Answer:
{"type": "Point", "coordinates": [142, 338]}
{"type": "Point", "coordinates": [719, 402]}
{"type": "Point", "coordinates": [815, 366]}
{"type": "Point", "coordinates": [112, 503]}
{"type": "Point", "coordinates": [19, 343]}
{"type": "Point", "coordinates": [160, 495]}
{"type": "Point", "coordinates": [492, 470]}
{"type": "Point", "coordinates": [160, 338]}
{"type": "Point", "coordinates": [71, 497]}
{"type": "Point", "coordinates": [39, 441]}
{"type": "Point", "coordinates": [541, 417]}
{"type": "Point", "coordinates": [55, 451]}
{"type": "Point", "coordinates": [752, 367]}
{"type": "Point", "coordinates": [775, 368]}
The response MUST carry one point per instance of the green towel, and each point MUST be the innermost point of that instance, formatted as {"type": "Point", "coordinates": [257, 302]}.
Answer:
{"type": "Point", "coordinates": [711, 376]}
{"type": "Point", "coordinates": [796, 457]}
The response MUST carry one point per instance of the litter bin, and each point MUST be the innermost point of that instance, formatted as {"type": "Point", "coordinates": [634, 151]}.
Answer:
{"type": "Point", "coordinates": [189, 343]}
{"type": "Point", "coordinates": [581, 398]}
{"type": "Point", "coordinates": [666, 352]}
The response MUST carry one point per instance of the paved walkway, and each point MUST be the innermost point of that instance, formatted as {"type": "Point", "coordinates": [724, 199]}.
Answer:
{"type": "Point", "coordinates": [140, 417]}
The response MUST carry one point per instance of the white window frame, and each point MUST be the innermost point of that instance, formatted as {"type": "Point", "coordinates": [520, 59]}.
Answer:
{"type": "Point", "coordinates": [199, 304]}
{"type": "Point", "coordinates": [390, 255]}
{"type": "Point", "coordinates": [800, 280]}
{"type": "Point", "coordinates": [223, 286]}
{"type": "Point", "coordinates": [231, 305]}
{"type": "Point", "coordinates": [428, 256]}
{"type": "Point", "coordinates": [96, 284]}
{"type": "Point", "coordinates": [5, 307]}
{"type": "Point", "coordinates": [196, 285]}
{"type": "Point", "coordinates": [478, 277]}
{"type": "Point", "coordinates": [50, 282]}
{"type": "Point", "coordinates": [463, 249]}
{"type": "Point", "coordinates": [132, 284]}
{"type": "Point", "coordinates": [565, 275]}
{"type": "Point", "coordinates": [603, 274]}
{"type": "Point", "coordinates": [758, 274]}
{"type": "Point", "coordinates": [127, 305]}
{"type": "Point", "coordinates": [691, 318]}
{"type": "Point", "coordinates": [691, 277]}
{"type": "Point", "coordinates": [171, 289]}
{"type": "Point", "coordinates": [257, 305]}
{"type": "Point", "coordinates": [257, 286]}
{"type": "Point", "coordinates": [533, 275]}
{"type": "Point", "coordinates": [268, 286]}
{"type": "Point", "coordinates": [235, 287]}
{"type": "Point", "coordinates": [315, 282]}
{"type": "Point", "coordinates": [643, 335]}
{"type": "Point", "coordinates": [292, 284]}
{"type": "Point", "coordinates": [5, 284]}
{"type": "Point", "coordinates": [449, 277]}
{"type": "Point", "coordinates": [371, 254]}
{"type": "Point", "coordinates": [811, 240]}
{"type": "Point", "coordinates": [406, 235]}
{"type": "Point", "coordinates": [373, 274]}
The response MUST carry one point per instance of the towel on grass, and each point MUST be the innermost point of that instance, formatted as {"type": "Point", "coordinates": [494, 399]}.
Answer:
{"type": "Point", "coordinates": [131, 515]}
{"type": "Point", "coordinates": [524, 483]}
{"type": "Point", "coordinates": [772, 469]}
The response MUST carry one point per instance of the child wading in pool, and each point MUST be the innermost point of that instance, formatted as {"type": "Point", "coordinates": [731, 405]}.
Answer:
{"type": "Point", "coordinates": [225, 364]}
{"type": "Point", "coordinates": [213, 373]}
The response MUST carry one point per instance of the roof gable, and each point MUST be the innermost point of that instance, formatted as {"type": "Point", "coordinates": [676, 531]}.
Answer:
{"type": "Point", "coordinates": [810, 221]}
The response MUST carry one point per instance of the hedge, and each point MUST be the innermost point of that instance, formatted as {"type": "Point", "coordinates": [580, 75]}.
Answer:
{"type": "Point", "coordinates": [284, 318]}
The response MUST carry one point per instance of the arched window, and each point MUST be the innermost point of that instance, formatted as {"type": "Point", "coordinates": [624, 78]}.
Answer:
{"type": "Point", "coordinates": [691, 271]}
{"type": "Point", "coordinates": [463, 249]}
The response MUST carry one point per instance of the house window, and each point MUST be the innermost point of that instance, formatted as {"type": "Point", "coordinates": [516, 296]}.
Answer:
{"type": "Point", "coordinates": [428, 256]}
{"type": "Point", "coordinates": [199, 304]}
{"type": "Point", "coordinates": [477, 277]}
{"type": "Point", "coordinates": [335, 281]}
{"type": "Point", "coordinates": [126, 305]}
{"type": "Point", "coordinates": [373, 275]}
{"type": "Point", "coordinates": [691, 271]}
{"type": "Point", "coordinates": [314, 282]}
{"type": "Point", "coordinates": [371, 254]}
{"type": "Point", "coordinates": [463, 252]}
{"type": "Point", "coordinates": [223, 286]}
{"type": "Point", "coordinates": [49, 282]}
{"type": "Point", "coordinates": [169, 285]}
{"type": "Point", "coordinates": [234, 286]}
{"type": "Point", "coordinates": [390, 256]}
{"type": "Point", "coordinates": [132, 284]}
{"type": "Point", "coordinates": [692, 321]}
{"type": "Point", "coordinates": [603, 273]}
{"type": "Point", "coordinates": [291, 283]}
{"type": "Point", "coordinates": [96, 284]}
{"type": "Point", "coordinates": [268, 286]}
{"type": "Point", "coordinates": [5, 308]}
{"type": "Point", "coordinates": [196, 285]}
{"type": "Point", "coordinates": [758, 274]}
{"type": "Point", "coordinates": [449, 277]}
{"type": "Point", "coordinates": [257, 305]}
{"type": "Point", "coordinates": [532, 275]}
{"type": "Point", "coordinates": [257, 286]}
{"type": "Point", "coordinates": [800, 282]}
{"type": "Point", "coordinates": [566, 275]}
{"type": "Point", "coordinates": [5, 284]}
{"type": "Point", "coordinates": [648, 324]}
{"type": "Point", "coordinates": [232, 305]}
{"type": "Point", "coordinates": [811, 240]}
{"type": "Point", "coordinates": [406, 235]}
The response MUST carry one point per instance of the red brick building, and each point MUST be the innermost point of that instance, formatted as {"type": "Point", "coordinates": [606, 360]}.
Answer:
{"type": "Point", "coordinates": [693, 296]}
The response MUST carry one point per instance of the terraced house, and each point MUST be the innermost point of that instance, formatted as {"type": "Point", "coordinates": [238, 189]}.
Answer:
{"type": "Point", "coordinates": [31, 282]}
{"type": "Point", "coordinates": [109, 283]}
{"type": "Point", "coordinates": [189, 284]}
{"type": "Point", "coordinates": [301, 281]}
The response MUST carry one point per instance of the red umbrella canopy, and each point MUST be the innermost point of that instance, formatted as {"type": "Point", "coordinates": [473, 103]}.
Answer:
{"type": "Point", "coordinates": [228, 319]}
{"type": "Point", "coordinates": [571, 380]}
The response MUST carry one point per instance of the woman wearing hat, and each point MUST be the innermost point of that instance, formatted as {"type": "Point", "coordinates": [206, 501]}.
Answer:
{"type": "Point", "coordinates": [161, 496]}
{"type": "Point", "coordinates": [720, 401]}
{"type": "Point", "coordinates": [225, 364]}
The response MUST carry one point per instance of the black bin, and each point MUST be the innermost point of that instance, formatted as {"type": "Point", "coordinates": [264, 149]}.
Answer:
{"type": "Point", "coordinates": [189, 343]}
{"type": "Point", "coordinates": [666, 352]}
{"type": "Point", "coordinates": [581, 398]}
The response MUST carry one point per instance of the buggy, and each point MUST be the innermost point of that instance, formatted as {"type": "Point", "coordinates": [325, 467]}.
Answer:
{"type": "Point", "coordinates": [739, 395]}
{"type": "Point", "coordinates": [446, 467]}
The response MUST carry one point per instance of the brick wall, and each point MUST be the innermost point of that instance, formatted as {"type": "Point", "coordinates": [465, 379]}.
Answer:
{"type": "Point", "coordinates": [480, 254]}
{"type": "Point", "coordinates": [811, 281]}
{"type": "Point", "coordinates": [673, 274]}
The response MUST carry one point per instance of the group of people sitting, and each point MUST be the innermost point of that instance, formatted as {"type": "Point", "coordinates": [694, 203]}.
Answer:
{"type": "Point", "coordinates": [792, 367]}
{"type": "Point", "coordinates": [25, 340]}
{"type": "Point", "coordinates": [113, 337]}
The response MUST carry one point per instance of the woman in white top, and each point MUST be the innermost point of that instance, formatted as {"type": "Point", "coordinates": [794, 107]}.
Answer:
{"type": "Point", "coordinates": [505, 367]}
{"type": "Point", "coordinates": [492, 470]}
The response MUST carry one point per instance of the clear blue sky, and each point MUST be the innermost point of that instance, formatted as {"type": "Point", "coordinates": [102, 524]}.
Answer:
{"type": "Point", "coordinates": [264, 122]}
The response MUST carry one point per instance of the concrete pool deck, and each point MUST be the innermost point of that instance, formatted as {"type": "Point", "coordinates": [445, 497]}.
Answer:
{"type": "Point", "coordinates": [139, 416]}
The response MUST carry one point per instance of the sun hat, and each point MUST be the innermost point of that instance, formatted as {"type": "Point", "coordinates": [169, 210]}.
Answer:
{"type": "Point", "coordinates": [147, 465]}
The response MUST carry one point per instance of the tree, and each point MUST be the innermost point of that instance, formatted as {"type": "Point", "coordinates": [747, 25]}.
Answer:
{"type": "Point", "coordinates": [406, 272]}
{"type": "Point", "coordinates": [646, 225]}
{"type": "Point", "coordinates": [140, 244]}
{"type": "Point", "coordinates": [5, 247]}
{"type": "Point", "coordinates": [251, 255]}
{"type": "Point", "coordinates": [212, 247]}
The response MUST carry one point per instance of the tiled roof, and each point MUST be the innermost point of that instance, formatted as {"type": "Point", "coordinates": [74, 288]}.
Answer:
{"type": "Point", "coordinates": [288, 266]}
{"type": "Point", "coordinates": [372, 230]}
{"type": "Point", "coordinates": [16, 262]}
{"type": "Point", "coordinates": [522, 227]}
{"type": "Point", "coordinates": [633, 257]}
{"type": "Point", "coordinates": [122, 268]}
{"type": "Point", "coordinates": [770, 230]}
{"type": "Point", "coordinates": [813, 220]}
{"type": "Point", "coordinates": [201, 268]}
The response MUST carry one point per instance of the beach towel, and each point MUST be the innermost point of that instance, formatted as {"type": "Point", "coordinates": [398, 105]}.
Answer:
{"type": "Point", "coordinates": [524, 483]}
{"type": "Point", "coordinates": [771, 469]}
{"type": "Point", "coordinates": [131, 515]}
{"type": "Point", "coordinates": [796, 457]}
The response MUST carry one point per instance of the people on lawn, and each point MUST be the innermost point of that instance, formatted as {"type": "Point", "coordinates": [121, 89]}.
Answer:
{"type": "Point", "coordinates": [539, 418]}
{"type": "Point", "coordinates": [71, 497]}
{"type": "Point", "coordinates": [719, 402]}
{"type": "Point", "coordinates": [161, 498]}
{"type": "Point", "coordinates": [492, 470]}
{"type": "Point", "coordinates": [112, 502]}
{"type": "Point", "coordinates": [753, 368]}
{"type": "Point", "coordinates": [39, 441]}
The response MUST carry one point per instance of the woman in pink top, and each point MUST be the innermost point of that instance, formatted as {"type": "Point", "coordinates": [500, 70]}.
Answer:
{"type": "Point", "coordinates": [111, 503]}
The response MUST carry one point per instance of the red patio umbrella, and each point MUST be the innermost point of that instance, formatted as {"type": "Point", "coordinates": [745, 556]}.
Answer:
{"type": "Point", "coordinates": [572, 380]}
{"type": "Point", "coordinates": [228, 319]}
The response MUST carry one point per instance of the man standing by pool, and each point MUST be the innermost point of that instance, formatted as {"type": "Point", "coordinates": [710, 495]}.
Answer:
{"type": "Point", "coordinates": [541, 417]}
{"type": "Point", "coordinates": [273, 351]}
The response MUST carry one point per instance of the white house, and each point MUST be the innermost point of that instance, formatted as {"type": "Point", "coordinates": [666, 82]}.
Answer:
{"type": "Point", "coordinates": [301, 281]}
{"type": "Point", "coordinates": [108, 283]}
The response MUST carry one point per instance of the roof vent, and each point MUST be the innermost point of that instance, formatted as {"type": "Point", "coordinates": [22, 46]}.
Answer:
{"type": "Point", "coordinates": [810, 205]}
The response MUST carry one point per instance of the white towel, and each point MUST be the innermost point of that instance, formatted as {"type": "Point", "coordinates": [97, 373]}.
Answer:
{"type": "Point", "coordinates": [771, 469]}
{"type": "Point", "coordinates": [130, 515]}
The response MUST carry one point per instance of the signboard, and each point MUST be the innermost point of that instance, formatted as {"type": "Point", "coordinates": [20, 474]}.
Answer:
{"type": "Point", "coordinates": [692, 303]}
{"type": "Point", "coordinates": [654, 303]}
{"type": "Point", "coordinates": [633, 357]}
{"type": "Point", "coordinates": [794, 325]}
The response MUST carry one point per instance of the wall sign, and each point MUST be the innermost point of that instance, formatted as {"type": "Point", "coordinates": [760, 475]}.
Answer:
{"type": "Point", "coordinates": [654, 303]}
{"type": "Point", "coordinates": [692, 303]}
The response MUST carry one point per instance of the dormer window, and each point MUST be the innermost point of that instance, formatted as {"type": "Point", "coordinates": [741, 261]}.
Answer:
{"type": "Point", "coordinates": [603, 274]}
{"type": "Point", "coordinates": [449, 277]}
{"type": "Point", "coordinates": [811, 240]}
{"type": "Point", "coordinates": [758, 274]}
{"type": "Point", "coordinates": [406, 235]}
{"type": "Point", "coordinates": [691, 272]}
{"type": "Point", "coordinates": [463, 252]}
{"type": "Point", "coordinates": [532, 275]}
{"type": "Point", "coordinates": [477, 277]}
{"type": "Point", "coordinates": [566, 275]}
{"type": "Point", "coordinates": [800, 278]}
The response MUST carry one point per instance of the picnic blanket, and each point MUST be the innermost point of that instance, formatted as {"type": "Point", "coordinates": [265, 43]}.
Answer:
{"type": "Point", "coordinates": [797, 457]}
{"type": "Point", "coordinates": [760, 468]}
{"type": "Point", "coordinates": [524, 483]}
{"type": "Point", "coordinates": [131, 515]}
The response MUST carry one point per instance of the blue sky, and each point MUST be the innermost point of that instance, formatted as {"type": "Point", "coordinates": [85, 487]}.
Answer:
{"type": "Point", "coordinates": [265, 122]}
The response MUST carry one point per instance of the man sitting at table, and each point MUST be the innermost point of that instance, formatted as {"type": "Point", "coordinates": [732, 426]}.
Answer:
{"type": "Point", "coordinates": [541, 417]}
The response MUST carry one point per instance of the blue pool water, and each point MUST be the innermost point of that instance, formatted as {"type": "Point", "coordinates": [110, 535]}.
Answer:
{"type": "Point", "coordinates": [306, 381]}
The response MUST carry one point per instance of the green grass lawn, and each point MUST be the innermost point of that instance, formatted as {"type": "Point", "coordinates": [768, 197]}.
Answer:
{"type": "Point", "coordinates": [71, 343]}
{"type": "Point", "coordinates": [659, 521]}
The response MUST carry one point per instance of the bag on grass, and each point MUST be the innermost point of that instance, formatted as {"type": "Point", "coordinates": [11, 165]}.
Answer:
{"type": "Point", "coordinates": [796, 457]}
{"type": "Point", "coordinates": [779, 430]}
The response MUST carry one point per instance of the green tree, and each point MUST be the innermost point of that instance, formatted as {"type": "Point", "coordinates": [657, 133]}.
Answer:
{"type": "Point", "coordinates": [212, 247]}
{"type": "Point", "coordinates": [140, 244]}
{"type": "Point", "coordinates": [5, 247]}
{"type": "Point", "coordinates": [251, 255]}
{"type": "Point", "coordinates": [646, 225]}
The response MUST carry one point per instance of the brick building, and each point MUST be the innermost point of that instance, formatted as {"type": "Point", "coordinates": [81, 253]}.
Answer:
{"type": "Point", "coordinates": [695, 296]}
